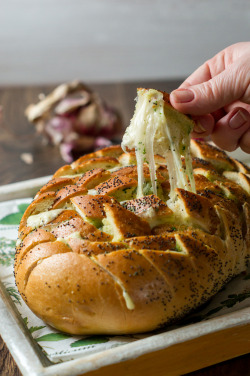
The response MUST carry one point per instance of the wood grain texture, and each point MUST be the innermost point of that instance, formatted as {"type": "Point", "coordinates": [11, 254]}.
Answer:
{"type": "Point", "coordinates": [18, 136]}
{"type": "Point", "coordinates": [8, 366]}
{"type": "Point", "coordinates": [187, 356]}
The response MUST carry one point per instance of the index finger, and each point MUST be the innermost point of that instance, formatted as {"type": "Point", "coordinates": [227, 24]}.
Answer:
{"type": "Point", "coordinates": [206, 71]}
{"type": "Point", "coordinates": [201, 74]}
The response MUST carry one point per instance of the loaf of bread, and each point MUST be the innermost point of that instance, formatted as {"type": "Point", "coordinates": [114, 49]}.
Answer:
{"type": "Point", "coordinates": [92, 258]}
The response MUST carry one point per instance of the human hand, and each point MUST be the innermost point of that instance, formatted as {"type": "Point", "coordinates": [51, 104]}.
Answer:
{"type": "Point", "coordinates": [217, 94]}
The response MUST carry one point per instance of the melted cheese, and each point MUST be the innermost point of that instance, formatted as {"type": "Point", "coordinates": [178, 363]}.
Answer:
{"type": "Point", "coordinates": [159, 129]}
{"type": "Point", "coordinates": [41, 219]}
{"type": "Point", "coordinates": [92, 192]}
{"type": "Point", "coordinates": [128, 300]}
{"type": "Point", "coordinates": [74, 235]}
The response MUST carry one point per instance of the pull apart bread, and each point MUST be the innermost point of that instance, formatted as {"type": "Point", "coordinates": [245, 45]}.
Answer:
{"type": "Point", "coordinates": [128, 239]}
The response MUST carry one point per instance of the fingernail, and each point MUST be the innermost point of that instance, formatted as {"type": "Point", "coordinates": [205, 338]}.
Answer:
{"type": "Point", "coordinates": [237, 120]}
{"type": "Point", "coordinates": [183, 95]}
{"type": "Point", "coordinates": [198, 128]}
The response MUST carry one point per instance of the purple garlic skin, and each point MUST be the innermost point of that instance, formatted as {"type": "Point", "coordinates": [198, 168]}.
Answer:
{"type": "Point", "coordinates": [75, 119]}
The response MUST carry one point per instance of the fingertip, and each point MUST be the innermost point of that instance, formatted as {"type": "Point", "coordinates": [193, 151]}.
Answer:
{"type": "Point", "coordinates": [173, 101]}
{"type": "Point", "coordinates": [232, 130]}
{"type": "Point", "coordinates": [182, 95]}
{"type": "Point", "coordinates": [203, 125]}
{"type": "Point", "coordinates": [191, 100]}
{"type": "Point", "coordinates": [227, 145]}
{"type": "Point", "coordinates": [238, 119]}
{"type": "Point", "coordinates": [181, 98]}
{"type": "Point", "coordinates": [244, 142]}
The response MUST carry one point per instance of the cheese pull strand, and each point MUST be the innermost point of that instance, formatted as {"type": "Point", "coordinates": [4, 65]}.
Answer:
{"type": "Point", "coordinates": [157, 128]}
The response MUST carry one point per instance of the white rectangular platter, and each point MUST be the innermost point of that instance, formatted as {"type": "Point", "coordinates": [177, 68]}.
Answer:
{"type": "Point", "coordinates": [202, 339]}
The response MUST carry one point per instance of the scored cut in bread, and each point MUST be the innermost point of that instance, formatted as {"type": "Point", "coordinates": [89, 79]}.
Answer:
{"type": "Point", "coordinates": [94, 258]}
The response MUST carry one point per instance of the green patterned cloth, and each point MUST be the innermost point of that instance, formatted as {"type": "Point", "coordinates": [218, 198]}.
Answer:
{"type": "Point", "coordinates": [60, 346]}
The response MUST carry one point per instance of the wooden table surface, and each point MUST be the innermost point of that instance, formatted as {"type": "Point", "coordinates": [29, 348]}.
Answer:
{"type": "Point", "coordinates": [17, 136]}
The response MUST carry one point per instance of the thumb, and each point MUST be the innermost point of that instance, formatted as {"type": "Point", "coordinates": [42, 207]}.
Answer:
{"type": "Point", "coordinates": [228, 86]}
